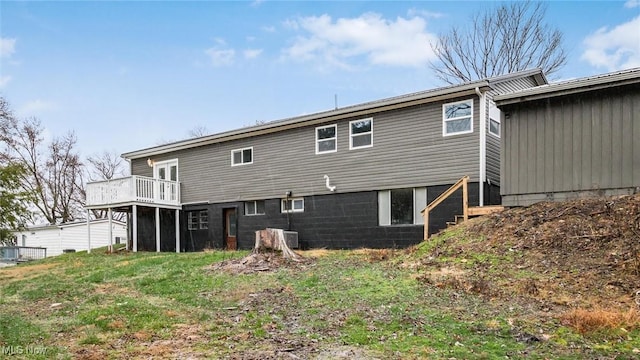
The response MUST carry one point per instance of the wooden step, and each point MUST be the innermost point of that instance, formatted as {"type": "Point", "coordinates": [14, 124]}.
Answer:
{"type": "Point", "coordinates": [484, 210]}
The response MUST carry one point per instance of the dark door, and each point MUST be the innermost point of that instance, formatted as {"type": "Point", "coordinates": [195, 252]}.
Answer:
{"type": "Point", "coordinates": [230, 229]}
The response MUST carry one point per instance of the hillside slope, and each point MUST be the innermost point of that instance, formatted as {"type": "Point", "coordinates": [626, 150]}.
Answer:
{"type": "Point", "coordinates": [558, 257]}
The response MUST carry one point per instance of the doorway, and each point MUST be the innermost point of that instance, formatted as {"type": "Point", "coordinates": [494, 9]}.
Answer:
{"type": "Point", "coordinates": [167, 171]}
{"type": "Point", "coordinates": [230, 229]}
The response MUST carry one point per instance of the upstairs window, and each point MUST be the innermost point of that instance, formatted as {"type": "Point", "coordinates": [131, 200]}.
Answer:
{"type": "Point", "coordinates": [457, 118]}
{"type": "Point", "coordinates": [254, 207]}
{"type": "Point", "coordinates": [198, 220]}
{"type": "Point", "coordinates": [494, 120]}
{"type": "Point", "coordinates": [292, 205]}
{"type": "Point", "coordinates": [360, 133]}
{"type": "Point", "coordinates": [494, 127]}
{"type": "Point", "coordinates": [326, 139]}
{"type": "Point", "coordinates": [242, 156]}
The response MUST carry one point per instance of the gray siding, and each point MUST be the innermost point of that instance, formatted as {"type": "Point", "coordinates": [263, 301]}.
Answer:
{"type": "Point", "coordinates": [493, 142]}
{"type": "Point", "coordinates": [408, 151]}
{"type": "Point", "coordinates": [578, 143]}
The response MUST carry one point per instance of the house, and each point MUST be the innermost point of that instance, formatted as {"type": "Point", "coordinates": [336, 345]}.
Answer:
{"type": "Point", "coordinates": [72, 236]}
{"type": "Point", "coordinates": [351, 177]}
{"type": "Point", "coordinates": [571, 139]}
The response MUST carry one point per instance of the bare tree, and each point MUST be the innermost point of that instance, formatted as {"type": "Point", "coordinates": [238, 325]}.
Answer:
{"type": "Point", "coordinates": [198, 131]}
{"type": "Point", "coordinates": [106, 166]}
{"type": "Point", "coordinates": [52, 172]}
{"type": "Point", "coordinates": [499, 41]}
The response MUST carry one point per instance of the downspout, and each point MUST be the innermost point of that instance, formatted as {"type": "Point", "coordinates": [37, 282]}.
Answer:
{"type": "Point", "coordinates": [483, 144]}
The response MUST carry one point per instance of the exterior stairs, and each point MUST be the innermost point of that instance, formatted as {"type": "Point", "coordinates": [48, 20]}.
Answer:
{"type": "Point", "coordinates": [475, 211]}
{"type": "Point", "coordinates": [467, 210]}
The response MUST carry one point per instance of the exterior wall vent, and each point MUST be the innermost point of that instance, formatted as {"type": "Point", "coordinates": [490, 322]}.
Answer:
{"type": "Point", "coordinates": [291, 238]}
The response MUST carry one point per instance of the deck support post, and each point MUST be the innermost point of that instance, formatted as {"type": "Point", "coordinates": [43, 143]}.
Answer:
{"type": "Point", "coordinates": [88, 233]}
{"type": "Point", "coordinates": [157, 229]}
{"type": "Point", "coordinates": [110, 231]}
{"type": "Point", "coordinates": [177, 230]}
{"type": "Point", "coordinates": [134, 228]}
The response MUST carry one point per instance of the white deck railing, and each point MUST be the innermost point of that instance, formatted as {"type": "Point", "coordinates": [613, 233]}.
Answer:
{"type": "Point", "coordinates": [133, 189]}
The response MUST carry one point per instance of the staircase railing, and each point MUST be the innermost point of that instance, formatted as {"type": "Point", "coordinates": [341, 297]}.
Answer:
{"type": "Point", "coordinates": [465, 202]}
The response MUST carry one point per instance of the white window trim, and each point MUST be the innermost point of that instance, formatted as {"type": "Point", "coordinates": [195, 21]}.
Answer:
{"type": "Point", "coordinates": [351, 135]}
{"type": "Point", "coordinates": [494, 115]}
{"type": "Point", "coordinates": [193, 218]}
{"type": "Point", "coordinates": [255, 206]}
{"type": "Point", "coordinates": [445, 120]}
{"type": "Point", "coordinates": [499, 127]}
{"type": "Point", "coordinates": [384, 199]}
{"type": "Point", "coordinates": [241, 150]}
{"type": "Point", "coordinates": [200, 222]}
{"type": "Point", "coordinates": [335, 138]}
{"type": "Point", "coordinates": [163, 163]}
{"type": "Point", "coordinates": [282, 205]}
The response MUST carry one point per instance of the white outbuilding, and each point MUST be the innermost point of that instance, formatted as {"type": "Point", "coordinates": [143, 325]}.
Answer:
{"type": "Point", "coordinates": [72, 236]}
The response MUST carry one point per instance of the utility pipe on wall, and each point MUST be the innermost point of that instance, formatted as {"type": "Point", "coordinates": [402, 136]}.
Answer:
{"type": "Point", "coordinates": [328, 184]}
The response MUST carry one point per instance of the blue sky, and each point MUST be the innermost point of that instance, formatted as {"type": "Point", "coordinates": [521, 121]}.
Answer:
{"type": "Point", "coordinates": [129, 75]}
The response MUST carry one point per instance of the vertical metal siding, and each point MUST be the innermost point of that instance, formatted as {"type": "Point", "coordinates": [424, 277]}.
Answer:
{"type": "Point", "coordinates": [582, 142]}
{"type": "Point", "coordinates": [493, 143]}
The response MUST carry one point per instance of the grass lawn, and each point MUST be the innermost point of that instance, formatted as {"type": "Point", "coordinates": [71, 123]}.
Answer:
{"type": "Point", "coordinates": [341, 304]}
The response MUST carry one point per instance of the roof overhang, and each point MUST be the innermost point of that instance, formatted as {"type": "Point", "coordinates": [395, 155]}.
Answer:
{"type": "Point", "coordinates": [576, 86]}
{"type": "Point", "coordinates": [365, 109]}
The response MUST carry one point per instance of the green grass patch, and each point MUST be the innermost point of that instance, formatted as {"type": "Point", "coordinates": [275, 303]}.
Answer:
{"type": "Point", "coordinates": [113, 302]}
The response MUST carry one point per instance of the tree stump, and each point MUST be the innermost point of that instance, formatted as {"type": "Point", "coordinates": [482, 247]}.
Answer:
{"type": "Point", "coordinates": [274, 239]}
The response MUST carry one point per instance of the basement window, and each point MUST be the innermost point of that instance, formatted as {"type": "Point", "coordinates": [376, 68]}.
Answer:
{"type": "Point", "coordinates": [457, 118]}
{"type": "Point", "coordinates": [254, 208]}
{"type": "Point", "coordinates": [198, 220]}
{"type": "Point", "coordinates": [292, 205]}
{"type": "Point", "coordinates": [401, 206]}
{"type": "Point", "coordinates": [242, 156]}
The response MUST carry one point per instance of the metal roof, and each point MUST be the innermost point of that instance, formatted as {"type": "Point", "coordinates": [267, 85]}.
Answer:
{"type": "Point", "coordinates": [618, 78]}
{"type": "Point", "coordinates": [396, 102]}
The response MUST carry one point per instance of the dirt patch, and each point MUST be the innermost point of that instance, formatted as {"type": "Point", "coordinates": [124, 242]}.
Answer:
{"type": "Point", "coordinates": [259, 262]}
{"type": "Point", "coordinates": [21, 272]}
{"type": "Point", "coordinates": [581, 253]}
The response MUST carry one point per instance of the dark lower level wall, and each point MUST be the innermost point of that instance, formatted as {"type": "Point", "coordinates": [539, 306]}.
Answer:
{"type": "Point", "coordinates": [334, 221]}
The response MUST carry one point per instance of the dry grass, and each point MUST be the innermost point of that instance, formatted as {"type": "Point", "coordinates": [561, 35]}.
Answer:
{"type": "Point", "coordinates": [592, 320]}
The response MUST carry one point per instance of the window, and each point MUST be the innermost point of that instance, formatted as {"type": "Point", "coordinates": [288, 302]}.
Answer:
{"type": "Point", "coordinates": [193, 220]}
{"type": "Point", "coordinates": [254, 207]}
{"type": "Point", "coordinates": [242, 156]}
{"type": "Point", "coordinates": [401, 206]}
{"type": "Point", "coordinates": [326, 139]}
{"type": "Point", "coordinates": [198, 220]}
{"type": "Point", "coordinates": [204, 219]}
{"type": "Point", "coordinates": [293, 205]}
{"type": "Point", "coordinates": [360, 133]}
{"type": "Point", "coordinates": [494, 119]}
{"type": "Point", "coordinates": [494, 127]}
{"type": "Point", "coordinates": [166, 170]}
{"type": "Point", "coordinates": [457, 118]}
